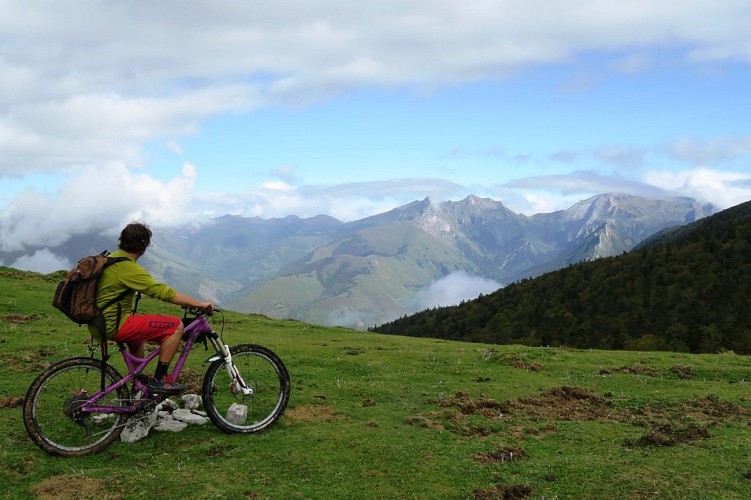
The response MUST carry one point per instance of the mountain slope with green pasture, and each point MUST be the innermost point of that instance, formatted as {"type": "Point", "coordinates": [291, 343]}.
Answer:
{"type": "Point", "coordinates": [381, 416]}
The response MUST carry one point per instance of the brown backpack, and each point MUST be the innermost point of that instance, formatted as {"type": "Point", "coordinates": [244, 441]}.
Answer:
{"type": "Point", "coordinates": [76, 294]}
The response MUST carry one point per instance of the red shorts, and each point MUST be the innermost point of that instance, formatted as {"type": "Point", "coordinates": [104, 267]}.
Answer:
{"type": "Point", "coordinates": [147, 327]}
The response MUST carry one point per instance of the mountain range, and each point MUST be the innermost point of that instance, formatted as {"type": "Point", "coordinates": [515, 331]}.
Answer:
{"type": "Point", "coordinates": [370, 271]}
{"type": "Point", "coordinates": [684, 289]}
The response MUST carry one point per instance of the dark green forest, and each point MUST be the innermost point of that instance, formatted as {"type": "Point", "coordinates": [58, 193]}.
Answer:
{"type": "Point", "coordinates": [686, 289]}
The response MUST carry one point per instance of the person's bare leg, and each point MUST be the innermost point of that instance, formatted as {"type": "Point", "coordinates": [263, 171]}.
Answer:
{"type": "Point", "coordinates": [137, 349]}
{"type": "Point", "coordinates": [162, 383]}
{"type": "Point", "coordinates": [169, 345]}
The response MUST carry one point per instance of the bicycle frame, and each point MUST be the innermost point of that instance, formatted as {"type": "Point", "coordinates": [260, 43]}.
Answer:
{"type": "Point", "coordinates": [136, 365]}
{"type": "Point", "coordinates": [68, 413]}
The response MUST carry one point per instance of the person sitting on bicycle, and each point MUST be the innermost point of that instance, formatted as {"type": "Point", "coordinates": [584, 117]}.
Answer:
{"type": "Point", "coordinates": [136, 330]}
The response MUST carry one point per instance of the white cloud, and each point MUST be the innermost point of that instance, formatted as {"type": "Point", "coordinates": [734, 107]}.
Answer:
{"type": "Point", "coordinates": [724, 189]}
{"type": "Point", "coordinates": [279, 186]}
{"type": "Point", "coordinates": [285, 172]}
{"type": "Point", "coordinates": [632, 64]}
{"type": "Point", "coordinates": [621, 156]}
{"type": "Point", "coordinates": [95, 129]}
{"type": "Point", "coordinates": [711, 151]}
{"type": "Point", "coordinates": [97, 200]}
{"type": "Point", "coordinates": [452, 289]}
{"type": "Point", "coordinates": [89, 82]}
{"type": "Point", "coordinates": [175, 147]}
{"type": "Point", "coordinates": [42, 261]}
{"type": "Point", "coordinates": [347, 202]}
{"type": "Point", "coordinates": [86, 84]}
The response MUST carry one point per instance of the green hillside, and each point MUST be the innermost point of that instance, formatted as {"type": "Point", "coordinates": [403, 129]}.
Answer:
{"type": "Point", "coordinates": [381, 416]}
{"type": "Point", "coordinates": [359, 279]}
{"type": "Point", "coordinates": [687, 289]}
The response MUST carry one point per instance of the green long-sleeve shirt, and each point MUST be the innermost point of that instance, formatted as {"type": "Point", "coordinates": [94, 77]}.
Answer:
{"type": "Point", "coordinates": [116, 279]}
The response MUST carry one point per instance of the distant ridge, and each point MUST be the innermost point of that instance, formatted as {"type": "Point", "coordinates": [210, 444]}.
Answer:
{"type": "Point", "coordinates": [370, 271]}
{"type": "Point", "coordinates": [376, 269]}
{"type": "Point", "coordinates": [684, 289]}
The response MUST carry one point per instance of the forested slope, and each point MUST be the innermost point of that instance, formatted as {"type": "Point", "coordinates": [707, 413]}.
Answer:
{"type": "Point", "coordinates": [687, 289]}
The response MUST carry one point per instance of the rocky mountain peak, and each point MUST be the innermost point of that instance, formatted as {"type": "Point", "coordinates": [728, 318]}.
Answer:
{"type": "Point", "coordinates": [433, 219]}
{"type": "Point", "coordinates": [322, 269]}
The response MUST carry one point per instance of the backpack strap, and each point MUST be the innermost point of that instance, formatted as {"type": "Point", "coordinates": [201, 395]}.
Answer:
{"type": "Point", "coordinates": [135, 305]}
{"type": "Point", "coordinates": [101, 324]}
{"type": "Point", "coordinates": [99, 321]}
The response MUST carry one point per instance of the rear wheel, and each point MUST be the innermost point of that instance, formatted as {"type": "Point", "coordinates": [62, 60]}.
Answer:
{"type": "Point", "coordinates": [229, 407]}
{"type": "Point", "coordinates": [51, 409]}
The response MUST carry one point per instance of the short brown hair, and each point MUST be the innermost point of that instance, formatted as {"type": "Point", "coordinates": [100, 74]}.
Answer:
{"type": "Point", "coordinates": [135, 238]}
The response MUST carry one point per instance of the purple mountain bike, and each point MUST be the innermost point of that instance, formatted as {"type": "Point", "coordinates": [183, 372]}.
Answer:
{"type": "Point", "coordinates": [78, 406]}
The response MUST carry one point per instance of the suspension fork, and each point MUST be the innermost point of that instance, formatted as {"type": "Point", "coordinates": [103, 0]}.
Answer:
{"type": "Point", "coordinates": [223, 353]}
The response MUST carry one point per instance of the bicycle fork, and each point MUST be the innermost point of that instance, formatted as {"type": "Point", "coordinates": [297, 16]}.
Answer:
{"type": "Point", "coordinates": [223, 353]}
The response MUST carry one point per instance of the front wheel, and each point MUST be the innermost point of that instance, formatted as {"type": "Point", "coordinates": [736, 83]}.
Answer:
{"type": "Point", "coordinates": [52, 414]}
{"type": "Point", "coordinates": [262, 401]}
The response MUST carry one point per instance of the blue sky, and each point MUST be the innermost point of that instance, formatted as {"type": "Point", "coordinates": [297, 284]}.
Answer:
{"type": "Point", "coordinates": [180, 111]}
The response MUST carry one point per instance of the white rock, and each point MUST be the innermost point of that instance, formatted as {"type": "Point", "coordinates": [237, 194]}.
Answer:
{"type": "Point", "coordinates": [138, 427]}
{"type": "Point", "coordinates": [188, 417]}
{"type": "Point", "coordinates": [100, 418]}
{"type": "Point", "coordinates": [170, 425]}
{"type": "Point", "coordinates": [237, 414]}
{"type": "Point", "coordinates": [191, 401]}
{"type": "Point", "coordinates": [168, 405]}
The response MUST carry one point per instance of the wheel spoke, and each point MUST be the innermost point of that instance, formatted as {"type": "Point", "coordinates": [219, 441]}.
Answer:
{"type": "Point", "coordinates": [52, 408]}
{"type": "Point", "coordinates": [234, 411]}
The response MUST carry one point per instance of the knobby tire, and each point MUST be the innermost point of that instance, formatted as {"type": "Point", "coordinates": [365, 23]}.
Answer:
{"type": "Point", "coordinates": [50, 408]}
{"type": "Point", "coordinates": [265, 373]}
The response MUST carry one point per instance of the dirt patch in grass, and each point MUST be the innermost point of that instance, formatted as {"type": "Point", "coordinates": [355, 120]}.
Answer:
{"type": "Point", "coordinates": [583, 404]}
{"type": "Point", "coordinates": [558, 403]}
{"type": "Point", "coordinates": [11, 402]}
{"type": "Point", "coordinates": [505, 454]}
{"type": "Point", "coordinates": [533, 367]}
{"type": "Point", "coordinates": [503, 491]}
{"type": "Point", "coordinates": [711, 410]}
{"type": "Point", "coordinates": [668, 435]}
{"type": "Point", "coordinates": [484, 417]}
{"type": "Point", "coordinates": [566, 403]}
{"type": "Point", "coordinates": [684, 372]}
{"type": "Point", "coordinates": [513, 361]}
{"type": "Point", "coordinates": [19, 319]}
{"type": "Point", "coordinates": [707, 411]}
{"type": "Point", "coordinates": [469, 406]}
{"type": "Point", "coordinates": [311, 413]}
{"type": "Point", "coordinates": [423, 422]}
{"type": "Point", "coordinates": [71, 487]}
{"type": "Point", "coordinates": [632, 370]}
{"type": "Point", "coordinates": [26, 361]}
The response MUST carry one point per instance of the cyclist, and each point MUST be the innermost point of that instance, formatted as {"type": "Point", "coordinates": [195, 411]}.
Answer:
{"type": "Point", "coordinates": [124, 279]}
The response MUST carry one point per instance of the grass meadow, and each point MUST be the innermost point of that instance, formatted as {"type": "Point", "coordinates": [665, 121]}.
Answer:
{"type": "Point", "coordinates": [374, 416]}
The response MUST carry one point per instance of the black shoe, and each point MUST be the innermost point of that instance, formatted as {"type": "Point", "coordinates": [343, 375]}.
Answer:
{"type": "Point", "coordinates": [163, 386]}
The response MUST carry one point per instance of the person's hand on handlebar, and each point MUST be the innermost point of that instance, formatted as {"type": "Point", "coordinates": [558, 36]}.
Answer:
{"type": "Point", "coordinates": [207, 307]}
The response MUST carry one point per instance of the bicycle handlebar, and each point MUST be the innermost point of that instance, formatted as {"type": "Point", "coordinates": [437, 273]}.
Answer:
{"type": "Point", "coordinates": [198, 311]}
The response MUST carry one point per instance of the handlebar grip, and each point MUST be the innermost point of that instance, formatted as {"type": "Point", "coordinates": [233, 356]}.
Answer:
{"type": "Point", "coordinates": [198, 310]}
